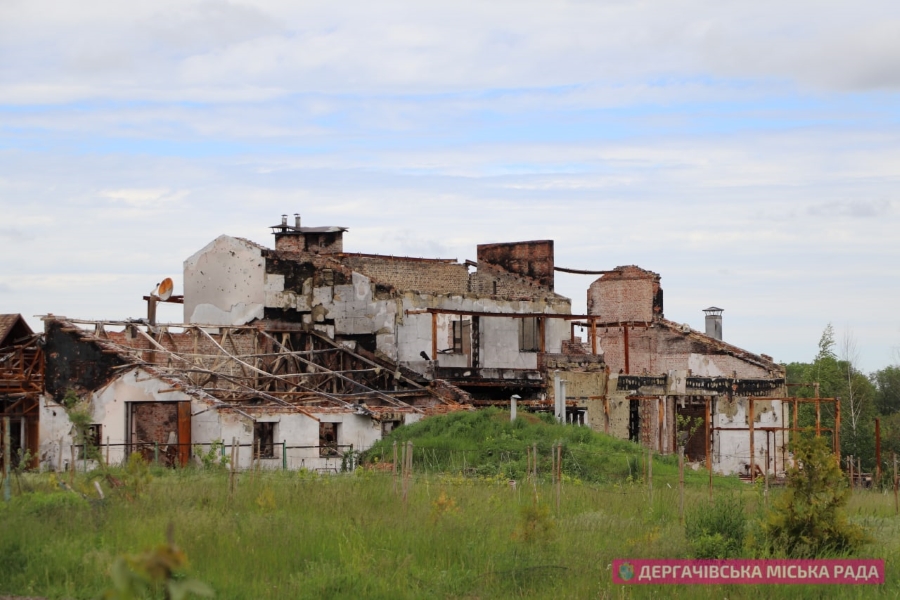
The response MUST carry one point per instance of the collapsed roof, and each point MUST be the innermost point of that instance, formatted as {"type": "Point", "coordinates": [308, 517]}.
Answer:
{"type": "Point", "coordinates": [272, 367]}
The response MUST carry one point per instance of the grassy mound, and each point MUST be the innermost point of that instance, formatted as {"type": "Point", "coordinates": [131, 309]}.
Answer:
{"type": "Point", "coordinates": [485, 443]}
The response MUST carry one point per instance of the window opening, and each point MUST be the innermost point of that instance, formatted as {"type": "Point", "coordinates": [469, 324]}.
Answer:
{"type": "Point", "coordinates": [328, 439]}
{"type": "Point", "coordinates": [529, 334]}
{"type": "Point", "coordinates": [264, 439]}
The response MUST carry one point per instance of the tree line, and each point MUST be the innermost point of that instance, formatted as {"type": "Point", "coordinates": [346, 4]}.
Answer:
{"type": "Point", "coordinates": [863, 398]}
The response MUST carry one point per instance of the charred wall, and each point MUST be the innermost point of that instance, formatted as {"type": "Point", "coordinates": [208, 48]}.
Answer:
{"type": "Point", "coordinates": [533, 260]}
{"type": "Point", "coordinates": [72, 363]}
{"type": "Point", "coordinates": [329, 242]}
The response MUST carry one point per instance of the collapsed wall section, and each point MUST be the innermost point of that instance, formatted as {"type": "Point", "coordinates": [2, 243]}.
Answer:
{"type": "Point", "coordinates": [626, 294]}
{"type": "Point", "coordinates": [436, 276]}
{"type": "Point", "coordinates": [532, 260]}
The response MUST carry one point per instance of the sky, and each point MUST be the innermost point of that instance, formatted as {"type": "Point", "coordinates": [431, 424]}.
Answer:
{"type": "Point", "coordinates": [749, 152]}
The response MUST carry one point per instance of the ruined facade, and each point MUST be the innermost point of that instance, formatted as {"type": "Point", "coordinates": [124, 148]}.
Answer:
{"type": "Point", "coordinates": [666, 376]}
{"type": "Point", "coordinates": [300, 351]}
{"type": "Point", "coordinates": [484, 329]}
{"type": "Point", "coordinates": [21, 383]}
{"type": "Point", "coordinates": [288, 398]}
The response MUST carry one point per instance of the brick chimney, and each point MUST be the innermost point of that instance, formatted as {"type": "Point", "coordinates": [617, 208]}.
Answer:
{"type": "Point", "coordinates": [318, 240]}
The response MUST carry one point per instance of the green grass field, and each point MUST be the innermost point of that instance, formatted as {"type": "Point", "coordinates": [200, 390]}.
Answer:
{"type": "Point", "coordinates": [298, 535]}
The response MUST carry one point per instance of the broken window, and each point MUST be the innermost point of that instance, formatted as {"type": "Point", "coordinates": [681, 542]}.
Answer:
{"type": "Point", "coordinates": [457, 337]}
{"type": "Point", "coordinates": [461, 336]}
{"type": "Point", "coordinates": [328, 439]}
{"type": "Point", "coordinates": [388, 426]}
{"type": "Point", "coordinates": [93, 437]}
{"type": "Point", "coordinates": [264, 439]}
{"type": "Point", "coordinates": [530, 334]}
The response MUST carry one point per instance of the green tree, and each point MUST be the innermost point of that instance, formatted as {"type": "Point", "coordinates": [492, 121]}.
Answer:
{"type": "Point", "coordinates": [887, 389]}
{"type": "Point", "coordinates": [807, 520]}
{"type": "Point", "coordinates": [839, 377]}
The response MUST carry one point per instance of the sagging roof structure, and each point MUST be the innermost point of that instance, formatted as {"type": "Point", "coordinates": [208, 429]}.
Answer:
{"type": "Point", "coordinates": [21, 378]}
{"type": "Point", "coordinates": [241, 369]}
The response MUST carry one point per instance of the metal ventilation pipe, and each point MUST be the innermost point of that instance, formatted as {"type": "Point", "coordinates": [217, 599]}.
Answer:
{"type": "Point", "coordinates": [284, 220]}
{"type": "Point", "coordinates": [296, 221]}
{"type": "Point", "coordinates": [714, 322]}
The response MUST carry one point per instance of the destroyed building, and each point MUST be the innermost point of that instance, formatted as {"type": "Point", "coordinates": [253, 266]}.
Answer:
{"type": "Point", "coordinates": [303, 350]}
{"type": "Point", "coordinates": [665, 373]}
{"type": "Point", "coordinates": [289, 398]}
{"type": "Point", "coordinates": [21, 384]}
{"type": "Point", "coordinates": [488, 331]}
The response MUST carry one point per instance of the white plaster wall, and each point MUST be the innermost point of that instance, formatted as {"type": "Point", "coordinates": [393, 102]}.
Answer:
{"type": "Point", "coordinates": [499, 336]}
{"type": "Point", "coordinates": [500, 345]}
{"type": "Point", "coordinates": [109, 409]}
{"type": "Point", "coordinates": [703, 365]}
{"type": "Point", "coordinates": [225, 283]}
{"type": "Point", "coordinates": [732, 448]}
{"type": "Point", "coordinates": [301, 435]}
{"type": "Point", "coordinates": [357, 430]}
{"type": "Point", "coordinates": [55, 435]}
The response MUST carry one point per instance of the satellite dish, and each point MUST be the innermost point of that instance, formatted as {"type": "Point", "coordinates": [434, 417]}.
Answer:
{"type": "Point", "coordinates": [164, 290]}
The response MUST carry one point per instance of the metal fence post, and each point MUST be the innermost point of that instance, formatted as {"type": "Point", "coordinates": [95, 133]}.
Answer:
{"type": "Point", "coordinates": [284, 455]}
{"type": "Point", "coordinates": [156, 453]}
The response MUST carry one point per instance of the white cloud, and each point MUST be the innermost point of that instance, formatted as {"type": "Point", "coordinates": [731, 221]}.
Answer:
{"type": "Point", "coordinates": [714, 143]}
{"type": "Point", "coordinates": [194, 49]}
{"type": "Point", "coordinates": [145, 198]}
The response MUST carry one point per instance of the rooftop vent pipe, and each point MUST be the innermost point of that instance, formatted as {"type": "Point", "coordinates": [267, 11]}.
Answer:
{"type": "Point", "coordinates": [284, 220]}
{"type": "Point", "coordinates": [296, 221]}
{"type": "Point", "coordinates": [714, 322]}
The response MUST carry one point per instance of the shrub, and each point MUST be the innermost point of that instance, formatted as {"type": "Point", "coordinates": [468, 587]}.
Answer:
{"type": "Point", "coordinates": [808, 520]}
{"type": "Point", "coordinates": [717, 531]}
{"type": "Point", "coordinates": [212, 458]}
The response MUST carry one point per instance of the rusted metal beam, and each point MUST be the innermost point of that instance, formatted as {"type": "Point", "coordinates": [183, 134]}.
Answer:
{"type": "Point", "coordinates": [708, 429]}
{"type": "Point", "coordinates": [582, 272]}
{"type": "Point", "coordinates": [521, 315]}
{"type": "Point", "coordinates": [170, 300]}
{"type": "Point", "coordinates": [626, 344]}
{"type": "Point", "coordinates": [660, 410]}
{"type": "Point", "coordinates": [768, 428]}
{"type": "Point", "coordinates": [542, 326]}
{"type": "Point", "coordinates": [837, 429]}
{"type": "Point", "coordinates": [818, 414]}
{"type": "Point", "coordinates": [515, 383]}
{"type": "Point", "coordinates": [434, 341]}
{"type": "Point", "coordinates": [752, 442]}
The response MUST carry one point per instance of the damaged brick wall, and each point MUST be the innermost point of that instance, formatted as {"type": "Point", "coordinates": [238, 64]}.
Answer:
{"type": "Point", "coordinates": [661, 349]}
{"type": "Point", "coordinates": [628, 294]}
{"type": "Point", "coordinates": [532, 260]}
{"type": "Point", "coordinates": [330, 242]}
{"type": "Point", "coordinates": [434, 276]}
{"type": "Point", "coordinates": [154, 421]}
{"type": "Point", "coordinates": [237, 342]}
{"type": "Point", "coordinates": [491, 280]}
{"type": "Point", "coordinates": [449, 392]}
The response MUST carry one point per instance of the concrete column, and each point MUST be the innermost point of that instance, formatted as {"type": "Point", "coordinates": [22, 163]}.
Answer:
{"type": "Point", "coordinates": [512, 406]}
